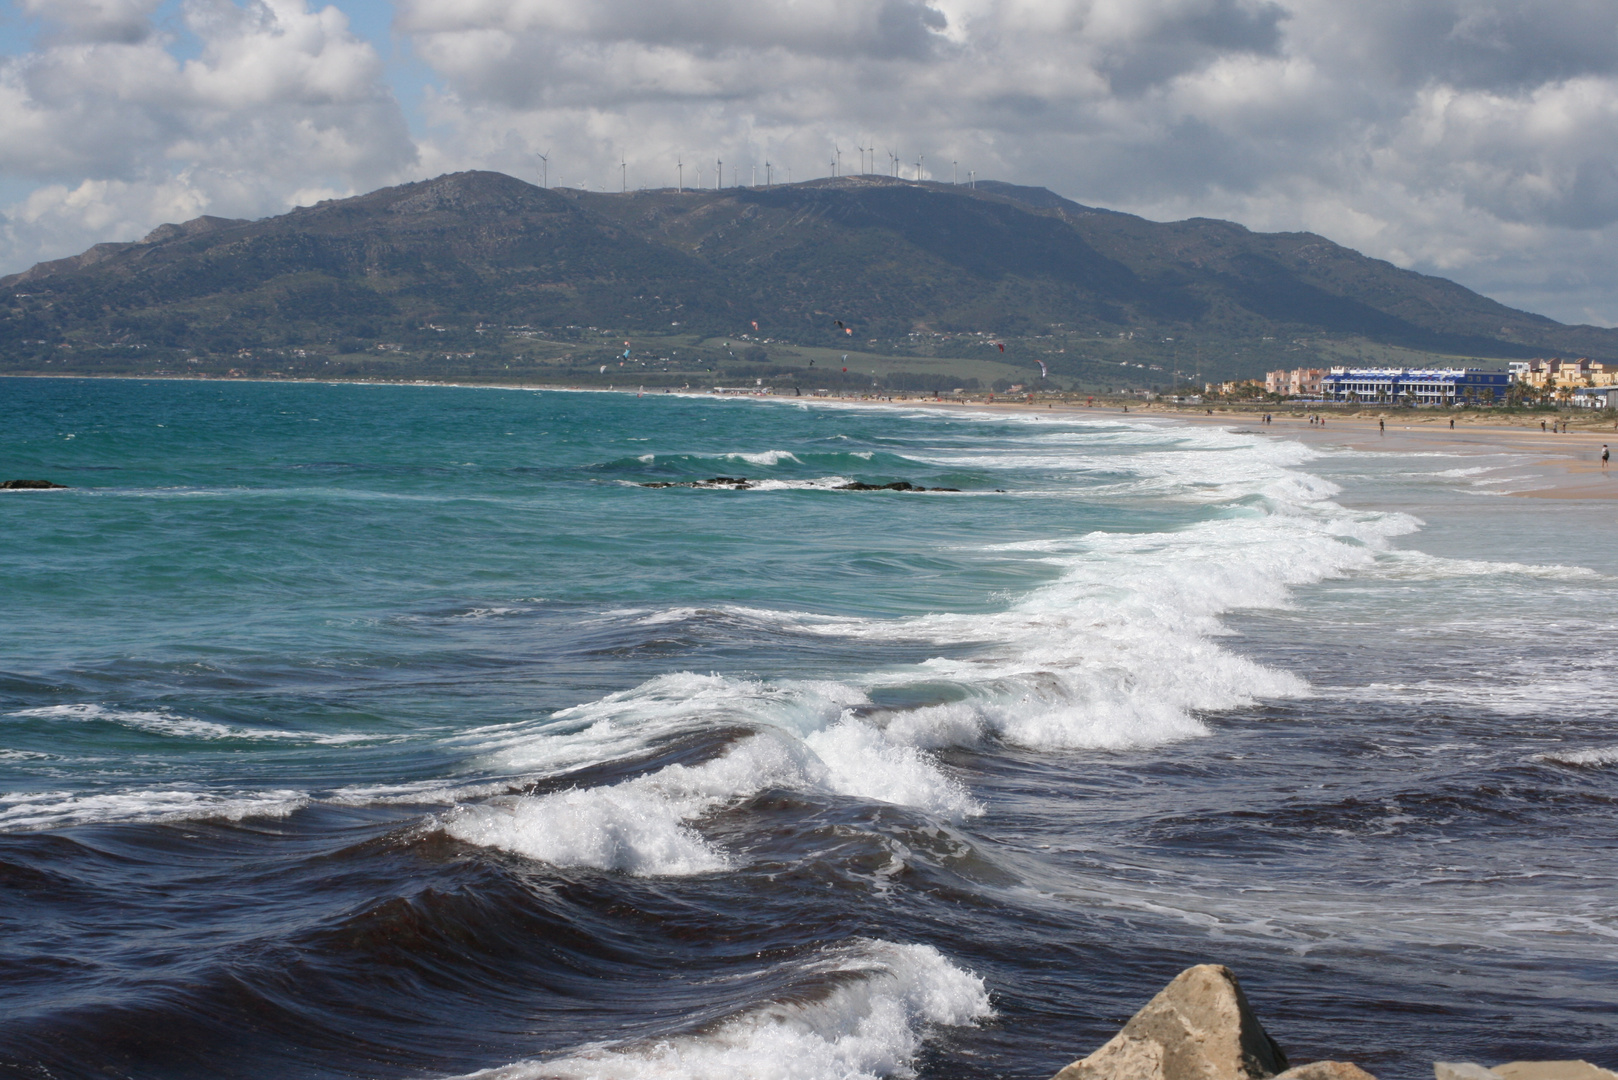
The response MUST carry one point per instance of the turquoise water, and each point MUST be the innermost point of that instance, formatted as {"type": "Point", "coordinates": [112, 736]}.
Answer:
{"type": "Point", "coordinates": [382, 730]}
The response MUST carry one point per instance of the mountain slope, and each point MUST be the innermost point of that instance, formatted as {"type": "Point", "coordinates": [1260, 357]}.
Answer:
{"type": "Point", "coordinates": [901, 262]}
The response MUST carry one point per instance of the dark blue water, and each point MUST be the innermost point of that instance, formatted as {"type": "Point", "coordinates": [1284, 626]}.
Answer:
{"type": "Point", "coordinates": [400, 731]}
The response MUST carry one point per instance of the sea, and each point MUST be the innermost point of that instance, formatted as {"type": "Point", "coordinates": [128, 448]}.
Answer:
{"type": "Point", "coordinates": [394, 731]}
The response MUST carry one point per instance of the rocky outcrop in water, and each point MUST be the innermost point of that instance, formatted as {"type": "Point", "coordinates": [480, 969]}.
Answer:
{"type": "Point", "coordinates": [742, 483]}
{"type": "Point", "coordinates": [29, 485]}
{"type": "Point", "coordinates": [897, 485]}
{"type": "Point", "coordinates": [734, 483]}
{"type": "Point", "coordinates": [1522, 1070]}
{"type": "Point", "coordinates": [1200, 1027]}
{"type": "Point", "coordinates": [1326, 1070]}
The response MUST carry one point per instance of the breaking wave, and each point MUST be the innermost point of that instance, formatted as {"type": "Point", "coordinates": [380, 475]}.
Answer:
{"type": "Point", "coordinates": [858, 1013]}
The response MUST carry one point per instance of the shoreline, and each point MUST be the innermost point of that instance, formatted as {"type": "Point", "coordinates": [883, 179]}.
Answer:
{"type": "Point", "coordinates": [1568, 462]}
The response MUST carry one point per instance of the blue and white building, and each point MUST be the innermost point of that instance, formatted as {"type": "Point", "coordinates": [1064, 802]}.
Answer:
{"type": "Point", "coordinates": [1596, 397]}
{"type": "Point", "coordinates": [1414, 386]}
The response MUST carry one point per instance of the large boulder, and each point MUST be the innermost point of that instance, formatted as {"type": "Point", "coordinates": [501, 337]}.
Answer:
{"type": "Point", "coordinates": [1326, 1070]}
{"type": "Point", "coordinates": [1200, 1027]}
{"type": "Point", "coordinates": [1521, 1070]}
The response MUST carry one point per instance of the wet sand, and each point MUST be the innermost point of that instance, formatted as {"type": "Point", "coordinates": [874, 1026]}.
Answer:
{"type": "Point", "coordinates": [1553, 465]}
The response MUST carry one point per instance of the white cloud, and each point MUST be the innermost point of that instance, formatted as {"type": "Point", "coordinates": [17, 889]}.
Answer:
{"type": "Point", "coordinates": [1476, 138]}
{"type": "Point", "coordinates": [120, 134]}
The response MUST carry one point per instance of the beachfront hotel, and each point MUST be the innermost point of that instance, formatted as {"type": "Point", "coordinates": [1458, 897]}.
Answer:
{"type": "Point", "coordinates": [1414, 386]}
{"type": "Point", "coordinates": [1298, 382]}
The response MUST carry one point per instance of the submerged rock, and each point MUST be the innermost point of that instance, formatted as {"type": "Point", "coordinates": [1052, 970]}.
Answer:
{"type": "Point", "coordinates": [29, 485]}
{"type": "Point", "coordinates": [737, 483]}
{"type": "Point", "coordinates": [1200, 1027]}
{"type": "Point", "coordinates": [741, 483]}
{"type": "Point", "coordinates": [1463, 1070]}
{"type": "Point", "coordinates": [897, 485]}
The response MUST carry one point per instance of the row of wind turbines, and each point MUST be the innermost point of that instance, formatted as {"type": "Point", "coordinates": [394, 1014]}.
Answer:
{"type": "Point", "coordinates": [896, 166]}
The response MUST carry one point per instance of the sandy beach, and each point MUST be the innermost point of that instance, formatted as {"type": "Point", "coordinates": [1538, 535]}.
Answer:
{"type": "Point", "coordinates": [1559, 465]}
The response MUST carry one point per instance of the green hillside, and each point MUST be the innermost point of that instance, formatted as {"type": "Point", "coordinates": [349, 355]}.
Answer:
{"type": "Point", "coordinates": [480, 275]}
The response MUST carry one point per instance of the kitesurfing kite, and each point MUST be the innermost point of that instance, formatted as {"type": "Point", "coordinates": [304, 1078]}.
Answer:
{"type": "Point", "coordinates": [1044, 372]}
{"type": "Point", "coordinates": [845, 329]}
{"type": "Point", "coordinates": [1002, 345]}
{"type": "Point", "coordinates": [755, 324]}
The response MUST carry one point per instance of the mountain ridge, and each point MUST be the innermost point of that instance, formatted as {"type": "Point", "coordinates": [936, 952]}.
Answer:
{"type": "Point", "coordinates": [913, 265]}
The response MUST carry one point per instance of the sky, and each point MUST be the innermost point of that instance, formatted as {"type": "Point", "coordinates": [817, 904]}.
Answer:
{"type": "Point", "coordinates": [1474, 139]}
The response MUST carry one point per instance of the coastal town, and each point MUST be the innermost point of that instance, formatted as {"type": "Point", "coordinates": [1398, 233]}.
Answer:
{"type": "Point", "coordinates": [1580, 383]}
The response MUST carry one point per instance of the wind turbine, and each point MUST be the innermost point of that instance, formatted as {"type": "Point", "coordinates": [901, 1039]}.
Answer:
{"type": "Point", "coordinates": [755, 174]}
{"type": "Point", "coordinates": [837, 165]}
{"type": "Point", "coordinates": [623, 181]}
{"type": "Point", "coordinates": [545, 168]}
{"type": "Point", "coordinates": [718, 173]}
{"type": "Point", "coordinates": [766, 174]}
{"type": "Point", "coordinates": [953, 177]}
{"type": "Point", "coordinates": [680, 166]}
{"type": "Point", "coordinates": [919, 160]}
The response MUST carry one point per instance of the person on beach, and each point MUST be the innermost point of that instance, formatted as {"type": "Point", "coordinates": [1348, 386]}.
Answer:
{"type": "Point", "coordinates": [1452, 423]}
{"type": "Point", "coordinates": [1604, 455]}
{"type": "Point", "coordinates": [1542, 425]}
{"type": "Point", "coordinates": [1382, 426]}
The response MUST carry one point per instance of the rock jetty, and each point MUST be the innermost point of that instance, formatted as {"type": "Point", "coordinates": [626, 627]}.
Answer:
{"type": "Point", "coordinates": [1200, 1027]}
{"type": "Point", "coordinates": [29, 485]}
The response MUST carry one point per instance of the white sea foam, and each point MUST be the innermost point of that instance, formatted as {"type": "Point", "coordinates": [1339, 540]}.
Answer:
{"type": "Point", "coordinates": [805, 740]}
{"type": "Point", "coordinates": [173, 725]}
{"type": "Point", "coordinates": [1410, 563]}
{"type": "Point", "coordinates": [1596, 756]}
{"type": "Point", "coordinates": [151, 721]}
{"type": "Point", "coordinates": [763, 457]}
{"type": "Point", "coordinates": [1121, 651]}
{"type": "Point", "coordinates": [863, 1014]}
{"type": "Point", "coordinates": [56, 809]}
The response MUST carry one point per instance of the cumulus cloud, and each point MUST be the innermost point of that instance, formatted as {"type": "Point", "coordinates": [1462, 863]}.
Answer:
{"type": "Point", "coordinates": [281, 104]}
{"type": "Point", "coordinates": [1473, 138]}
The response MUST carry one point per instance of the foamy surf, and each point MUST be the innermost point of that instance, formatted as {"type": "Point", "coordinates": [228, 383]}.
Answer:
{"type": "Point", "coordinates": [860, 1012]}
{"type": "Point", "coordinates": [1122, 651]}
{"type": "Point", "coordinates": [805, 739]}
{"type": "Point", "coordinates": [173, 725]}
{"type": "Point", "coordinates": [57, 809]}
{"type": "Point", "coordinates": [1594, 758]}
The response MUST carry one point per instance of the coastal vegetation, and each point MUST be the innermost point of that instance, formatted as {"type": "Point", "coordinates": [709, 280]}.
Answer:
{"type": "Point", "coordinates": [847, 284]}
